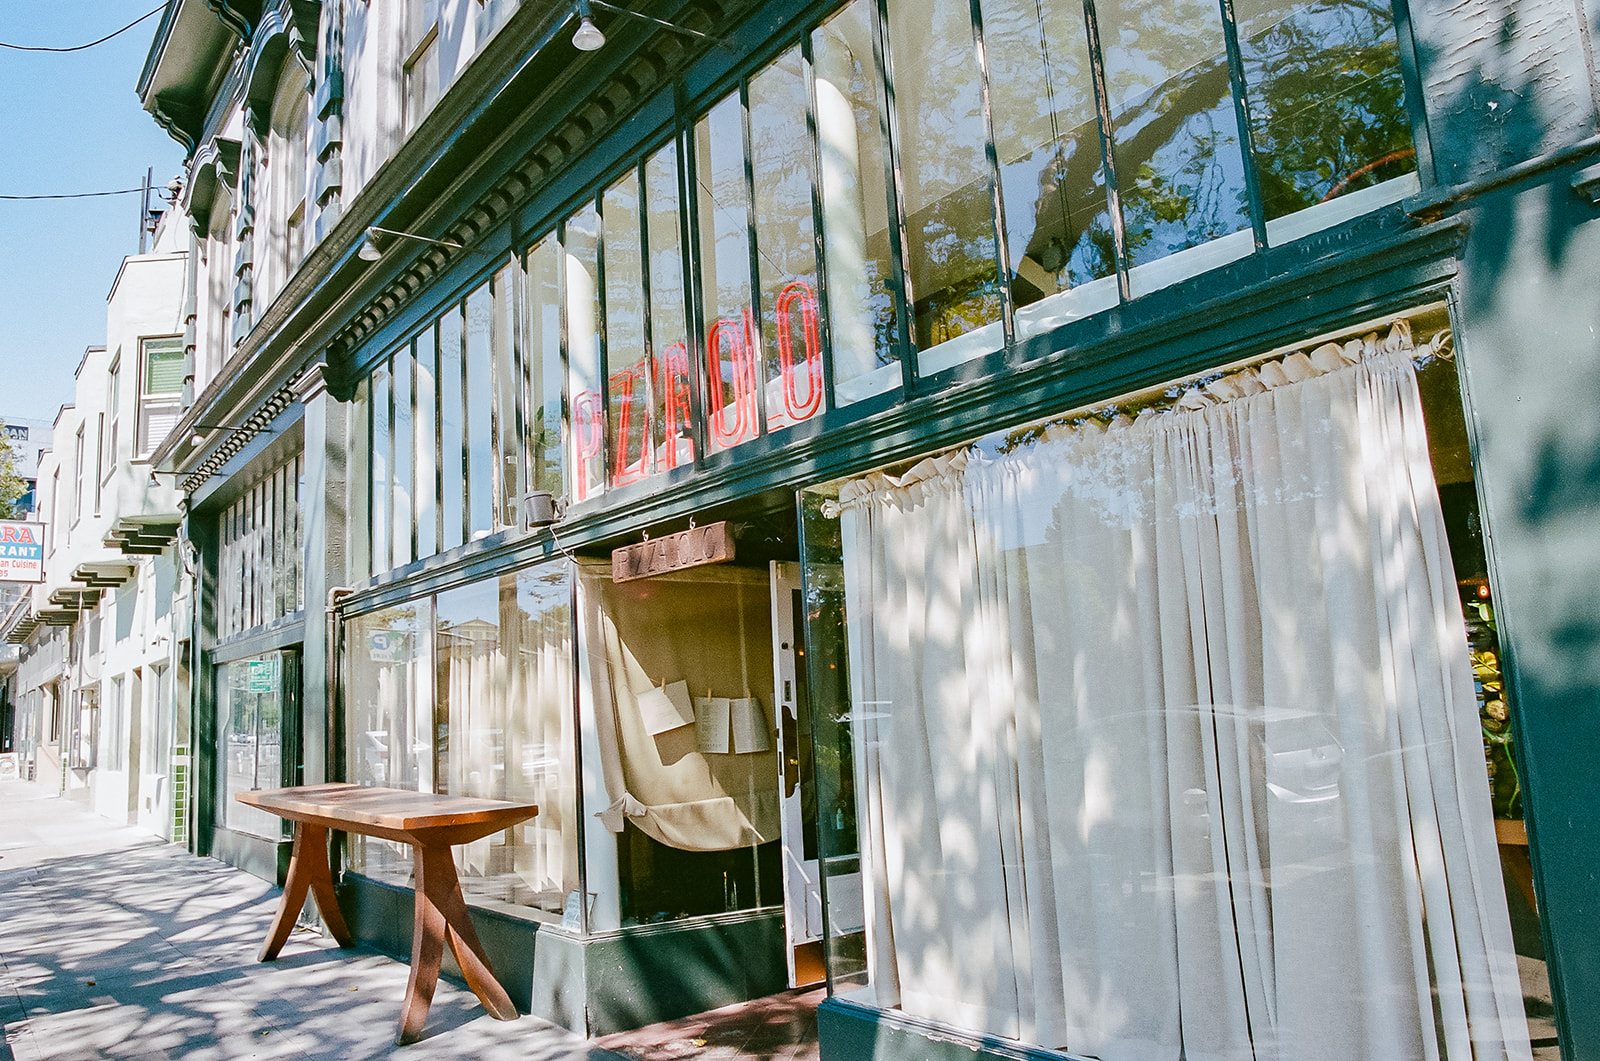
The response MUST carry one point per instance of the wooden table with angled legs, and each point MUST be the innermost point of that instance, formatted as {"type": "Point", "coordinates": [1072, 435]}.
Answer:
{"type": "Point", "coordinates": [431, 824]}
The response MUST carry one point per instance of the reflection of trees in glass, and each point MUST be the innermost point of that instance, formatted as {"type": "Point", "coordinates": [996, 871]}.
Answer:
{"type": "Point", "coordinates": [1179, 170]}
{"type": "Point", "coordinates": [1327, 101]}
{"type": "Point", "coordinates": [1048, 142]}
{"type": "Point", "coordinates": [855, 220]}
{"type": "Point", "coordinates": [952, 260]}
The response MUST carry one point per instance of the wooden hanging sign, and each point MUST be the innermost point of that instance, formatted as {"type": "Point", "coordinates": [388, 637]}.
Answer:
{"type": "Point", "coordinates": [695, 547]}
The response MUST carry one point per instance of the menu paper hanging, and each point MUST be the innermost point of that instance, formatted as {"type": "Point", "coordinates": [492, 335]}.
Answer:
{"type": "Point", "coordinates": [748, 725]}
{"type": "Point", "coordinates": [711, 724]}
{"type": "Point", "coordinates": [666, 708]}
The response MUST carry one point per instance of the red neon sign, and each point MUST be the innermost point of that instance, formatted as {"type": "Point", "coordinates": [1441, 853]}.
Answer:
{"type": "Point", "coordinates": [799, 292]}
{"type": "Point", "coordinates": [730, 404]}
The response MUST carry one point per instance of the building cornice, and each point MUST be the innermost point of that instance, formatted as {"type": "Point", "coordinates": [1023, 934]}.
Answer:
{"type": "Point", "coordinates": [465, 152]}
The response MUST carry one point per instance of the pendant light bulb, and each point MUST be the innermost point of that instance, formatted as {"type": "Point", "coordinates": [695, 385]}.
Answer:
{"type": "Point", "coordinates": [588, 37]}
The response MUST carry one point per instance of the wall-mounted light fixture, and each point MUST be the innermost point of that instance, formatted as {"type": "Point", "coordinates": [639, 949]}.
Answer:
{"type": "Point", "coordinates": [588, 37]}
{"type": "Point", "coordinates": [372, 245]}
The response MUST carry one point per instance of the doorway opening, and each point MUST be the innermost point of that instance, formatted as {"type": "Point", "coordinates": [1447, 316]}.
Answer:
{"type": "Point", "coordinates": [703, 735]}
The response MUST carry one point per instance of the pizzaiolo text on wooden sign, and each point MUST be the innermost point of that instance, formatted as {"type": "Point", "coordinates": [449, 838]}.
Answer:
{"type": "Point", "coordinates": [711, 544]}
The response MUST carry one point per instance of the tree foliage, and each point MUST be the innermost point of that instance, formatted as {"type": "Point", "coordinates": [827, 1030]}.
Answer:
{"type": "Point", "coordinates": [12, 486]}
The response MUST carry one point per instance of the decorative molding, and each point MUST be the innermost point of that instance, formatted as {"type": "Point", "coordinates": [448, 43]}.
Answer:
{"type": "Point", "coordinates": [238, 15]}
{"type": "Point", "coordinates": [179, 118]}
{"type": "Point", "coordinates": [302, 17]}
{"type": "Point", "coordinates": [263, 64]}
{"type": "Point", "coordinates": [254, 424]}
{"type": "Point", "coordinates": [327, 179]}
{"type": "Point", "coordinates": [215, 163]}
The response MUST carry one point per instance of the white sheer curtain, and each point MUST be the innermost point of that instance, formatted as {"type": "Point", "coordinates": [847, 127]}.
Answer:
{"type": "Point", "coordinates": [1165, 736]}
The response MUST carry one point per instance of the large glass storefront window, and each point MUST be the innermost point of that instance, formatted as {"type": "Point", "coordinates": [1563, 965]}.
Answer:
{"type": "Point", "coordinates": [1158, 730]}
{"type": "Point", "coordinates": [260, 540]}
{"type": "Point", "coordinates": [680, 770]}
{"type": "Point", "coordinates": [919, 181]}
{"type": "Point", "coordinates": [470, 693]}
{"type": "Point", "coordinates": [253, 698]}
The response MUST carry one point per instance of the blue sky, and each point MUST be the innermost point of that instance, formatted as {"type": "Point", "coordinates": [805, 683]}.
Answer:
{"type": "Point", "coordinates": [71, 123]}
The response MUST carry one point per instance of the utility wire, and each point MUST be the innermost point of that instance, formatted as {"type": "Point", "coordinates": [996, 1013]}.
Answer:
{"type": "Point", "coordinates": [74, 195]}
{"type": "Point", "coordinates": [81, 47]}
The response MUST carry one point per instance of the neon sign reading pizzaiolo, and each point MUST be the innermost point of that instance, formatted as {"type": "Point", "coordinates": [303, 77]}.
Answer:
{"type": "Point", "coordinates": [651, 413]}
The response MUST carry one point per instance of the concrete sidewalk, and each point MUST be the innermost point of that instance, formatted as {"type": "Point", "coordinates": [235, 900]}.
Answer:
{"type": "Point", "coordinates": [116, 945]}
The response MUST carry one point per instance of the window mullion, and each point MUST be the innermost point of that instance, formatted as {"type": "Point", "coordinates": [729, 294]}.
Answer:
{"type": "Point", "coordinates": [603, 362]}
{"type": "Point", "coordinates": [1002, 255]}
{"type": "Point", "coordinates": [693, 283]}
{"type": "Point", "coordinates": [1241, 110]}
{"type": "Point", "coordinates": [899, 252]}
{"type": "Point", "coordinates": [648, 445]}
{"type": "Point", "coordinates": [755, 356]}
{"type": "Point", "coordinates": [825, 321]}
{"type": "Point", "coordinates": [1102, 106]}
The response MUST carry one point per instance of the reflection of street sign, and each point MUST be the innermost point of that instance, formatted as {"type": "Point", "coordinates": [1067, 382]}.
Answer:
{"type": "Point", "coordinates": [261, 676]}
{"type": "Point", "coordinates": [386, 646]}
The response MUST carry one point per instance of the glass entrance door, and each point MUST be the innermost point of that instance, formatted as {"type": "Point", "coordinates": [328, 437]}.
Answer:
{"type": "Point", "coordinates": [802, 889]}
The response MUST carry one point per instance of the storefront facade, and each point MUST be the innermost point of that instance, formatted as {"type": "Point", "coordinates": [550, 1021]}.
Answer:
{"type": "Point", "coordinates": [1151, 446]}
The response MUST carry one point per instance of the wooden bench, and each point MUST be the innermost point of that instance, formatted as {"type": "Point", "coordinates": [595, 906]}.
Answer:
{"type": "Point", "coordinates": [431, 824]}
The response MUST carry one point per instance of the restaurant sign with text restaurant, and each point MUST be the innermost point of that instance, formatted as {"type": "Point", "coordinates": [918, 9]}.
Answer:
{"type": "Point", "coordinates": [21, 551]}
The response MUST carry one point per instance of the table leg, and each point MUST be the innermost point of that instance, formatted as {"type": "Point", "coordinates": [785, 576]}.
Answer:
{"type": "Point", "coordinates": [442, 916]}
{"type": "Point", "coordinates": [308, 871]}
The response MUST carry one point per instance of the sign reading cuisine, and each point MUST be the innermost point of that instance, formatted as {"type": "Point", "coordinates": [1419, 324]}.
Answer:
{"type": "Point", "coordinates": [695, 547]}
{"type": "Point", "coordinates": [21, 552]}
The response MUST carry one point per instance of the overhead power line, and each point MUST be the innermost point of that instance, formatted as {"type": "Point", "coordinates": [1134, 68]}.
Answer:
{"type": "Point", "coordinates": [74, 195]}
{"type": "Point", "coordinates": [79, 47]}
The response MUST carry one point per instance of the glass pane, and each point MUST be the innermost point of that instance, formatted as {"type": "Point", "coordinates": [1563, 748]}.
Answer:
{"type": "Point", "coordinates": [791, 324]}
{"type": "Point", "coordinates": [504, 694]}
{"type": "Point", "coordinates": [686, 813]}
{"type": "Point", "coordinates": [542, 364]}
{"type": "Point", "coordinates": [855, 214]}
{"type": "Point", "coordinates": [358, 442]}
{"type": "Point", "coordinates": [1047, 136]}
{"type": "Point", "coordinates": [382, 492]}
{"type": "Point", "coordinates": [581, 245]}
{"type": "Point", "coordinates": [952, 271]}
{"type": "Point", "coordinates": [427, 438]}
{"type": "Point", "coordinates": [452, 430]}
{"type": "Point", "coordinates": [249, 740]}
{"type": "Point", "coordinates": [1180, 173]}
{"type": "Point", "coordinates": [728, 373]}
{"type": "Point", "coordinates": [404, 450]}
{"type": "Point", "coordinates": [1327, 103]}
{"type": "Point", "coordinates": [480, 433]}
{"type": "Point", "coordinates": [672, 413]}
{"type": "Point", "coordinates": [628, 384]}
{"type": "Point", "coordinates": [507, 385]}
{"type": "Point", "coordinates": [163, 367]}
{"type": "Point", "coordinates": [388, 719]}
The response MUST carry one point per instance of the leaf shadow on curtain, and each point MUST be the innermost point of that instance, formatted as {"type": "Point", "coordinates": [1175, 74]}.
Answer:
{"type": "Point", "coordinates": [1166, 740]}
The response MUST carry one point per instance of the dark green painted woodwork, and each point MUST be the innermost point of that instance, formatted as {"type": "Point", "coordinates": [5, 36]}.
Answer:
{"type": "Point", "coordinates": [1528, 337]}
{"type": "Point", "coordinates": [847, 1032]}
{"type": "Point", "coordinates": [607, 983]}
{"type": "Point", "coordinates": [267, 859]}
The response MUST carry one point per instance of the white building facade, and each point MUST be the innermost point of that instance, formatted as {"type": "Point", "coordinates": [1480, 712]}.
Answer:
{"type": "Point", "coordinates": [100, 683]}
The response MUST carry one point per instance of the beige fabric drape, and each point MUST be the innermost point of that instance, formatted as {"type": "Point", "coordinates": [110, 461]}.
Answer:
{"type": "Point", "coordinates": [711, 627]}
{"type": "Point", "coordinates": [1166, 737]}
